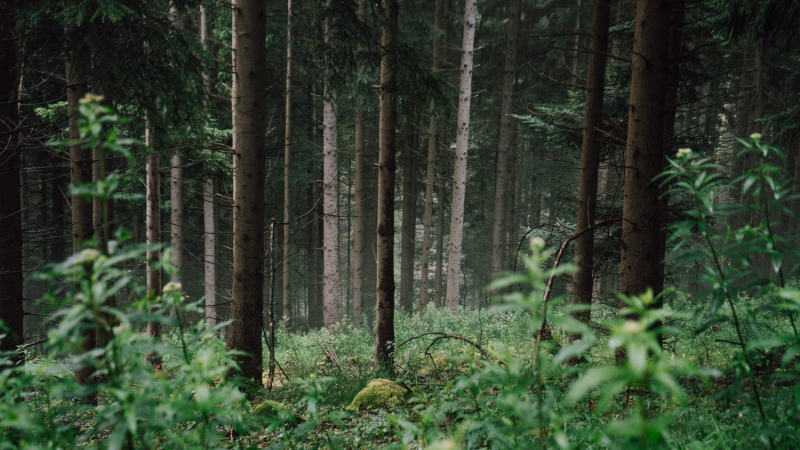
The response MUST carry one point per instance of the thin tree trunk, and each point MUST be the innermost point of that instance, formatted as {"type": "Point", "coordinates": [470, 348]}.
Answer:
{"type": "Point", "coordinates": [330, 198]}
{"type": "Point", "coordinates": [359, 241]}
{"type": "Point", "coordinates": [501, 174]}
{"type": "Point", "coordinates": [443, 155]}
{"type": "Point", "coordinates": [176, 221]}
{"type": "Point", "coordinates": [590, 162]}
{"type": "Point", "coordinates": [513, 199]}
{"type": "Point", "coordinates": [244, 333]}
{"type": "Point", "coordinates": [384, 320]}
{"type": "Point", "coordinates": [432, 147]}
{"type": "Point", "coordinates": [641, 225]}
{"type": "Point", "coordinates": [11, 280]}
{"type": "Point", "coordinates": [80, 165]}
{"type": "Point", "coordinates": [287, 172]}
{"type": "Point", "coordinates": [408, 227]}
{"type": "Point", "coordinates": [576, 40]}
{"type": "Point", "coordinates": [460, 170]}
{"type": "Point", "coordinates": [740, 129]}
{"type": "Point", "coordinates": [153, 225]}
{"type": "Point", "coordinates": [210, 228]}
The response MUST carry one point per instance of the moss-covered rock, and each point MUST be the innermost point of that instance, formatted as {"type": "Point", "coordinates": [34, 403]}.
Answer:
{"type": "Point", "coordinates": [379, 394]}
{"type": "Point", "coordinates": [272, 409]}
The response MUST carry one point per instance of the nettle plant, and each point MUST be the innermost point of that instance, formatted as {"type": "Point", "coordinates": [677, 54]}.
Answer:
{"type": "Point", "coordinates": [741, 262]}
{"type": "Point", "coordinates": [190, 402]}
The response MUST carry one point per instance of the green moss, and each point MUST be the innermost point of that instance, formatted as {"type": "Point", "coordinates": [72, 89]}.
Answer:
{"type": "Point", "coordinates": [379, 394]}
{"type": "Point", "coordinates": [272, 409]}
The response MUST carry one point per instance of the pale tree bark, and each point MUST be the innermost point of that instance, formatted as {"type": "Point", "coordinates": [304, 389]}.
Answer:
{"type": "Point", "coordinates": [330, 198]}
{"type": "Point", "coordinates": [244, 333]}
{"type": "Point", "coordinates": [210, 216]}
{"type": "Point", "coordinates": [432, 147]}
{"type": "Point", "coordinates": [80, 159]}
{"type": "Point", "coordinates": [287, 172]}
{"type": "Point", "coordinates": [590, 162]}
{"type": "Point", "coordinates": [460, 170]}
{"type": "Point", "coordinates": [501, 174]}
{"type": "Point", "coordinates": [408, 223]}
{"type": "Point", "coordinates": [384, 319]}
{"type": "Point", "coordinates": [11, 279]}
{"type": "Point", "coordinates": [444, 156]}
{"type": "Point", "coordinates": [153, 226]}
{"type": "Point", "coordinates": [176, 220]}
{"type": "Point", "coordinates": [210, 264]}
{"type": "Point", "coordinates": [639, 268]}
{"type": "Point", "coordinates": [359, 236]}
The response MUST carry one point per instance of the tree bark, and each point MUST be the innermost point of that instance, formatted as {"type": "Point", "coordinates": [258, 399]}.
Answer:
{"type": "Point", "coordinates": [643, 155]}
{"type": "Point", "coordinates": [444, 156]}
{"type": "Point", "coordinates": [359, 241]}
{"type": "Point", "coordinates": [408, 227]}
{"type": "Point", "coordinates": [460, 170]}
{"type": "Point", "coordinates": [501, 174]}
{"type": "Point", "coordinates": [11, 280]}
{"type": "Point", "coordinates": [176, 221]}
{"type": "Point", "coordinates": [153, 225]}
{"type": "Point", "coordinates": [432, 147]}
{"type": "Point", "coordinates": [244, 334]}
{"type": "Point", "coordinates": [513, 199]}
{"type": "Point", "coordinates": [384, 320]}
{"type": "Point", "coordinates": [590, 161]}
{"type": "Point", "coordinates": [210, 216]}
{"type": "Point", "coordinates": [330, 197]}
{"type": "Point", "coordinates": [287, 172]}
{"type": "Point", "coordinates": [80, 159]}
{"type": "Point", "coordinates": [576, 40]}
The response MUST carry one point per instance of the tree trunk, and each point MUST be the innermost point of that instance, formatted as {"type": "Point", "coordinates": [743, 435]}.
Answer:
{"type": "Point", "coordinates": [513, 199]}
{"type": "Point", "coordinates": [330, 198]}
{"type": "Point", "coordinates": [408, 227]}
{"type": "Point", "coordinates": [287, 172]}
{"type": "Point", "coordinates": [384, 320]}
{"type": "Point", "coordinates": [432, 147]}
{"type": "Point", "coordinates": [11, 280]}
{"type": "Point", "coordinates": [443, 155]}
{"type": "Point", "coordinates": [643, 155]}
{"type": "Point", "coordinates": [740, 129]}
{"type": "Point", "coordinates": [460, 170]}
{"type": "Point", "coordinates": [244, 334]}
{"type": "Point", "coordinates": [211, 267]}
{"type": "Point", "coordinates": [501, 174]}
{"type": "Point", "coordinates": [590, 162]}
{"type": "Point", "coordinates": [153, 225]}
{"type": "Point", "coordinates": [176, 221]}
{"type": "Point", "coordinates": [576, 40]}
{"type": "Point", "coordinates": [80, 159]}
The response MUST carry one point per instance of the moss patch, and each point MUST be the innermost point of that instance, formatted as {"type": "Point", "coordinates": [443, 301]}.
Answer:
{"type": "Point", "coordinates": [272, 409]}
{"type": "Point", "coordinates": [379, 394]}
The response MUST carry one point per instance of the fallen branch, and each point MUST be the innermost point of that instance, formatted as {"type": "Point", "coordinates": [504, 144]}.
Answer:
{"type": "Point", "coordinates": [440, 336]}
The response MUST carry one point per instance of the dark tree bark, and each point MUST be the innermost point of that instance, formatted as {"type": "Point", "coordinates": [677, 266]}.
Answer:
{"type": "Point", "coordinates": [384, 320]}
{"type": "Point", "coordinates": [287, 172]}
{"type": "Point", "coordinates": [153, 225]}
{"type": "Point", "coordinates": [639, 266]}
{"type": "Point", "coordinates": [499, 243]}
{"type": "Point", "coordinates": [11, 280]}
{"type": "Point", "coordinates": [244, 333]}
{"type": "Point", "coordinates": [590, 160]}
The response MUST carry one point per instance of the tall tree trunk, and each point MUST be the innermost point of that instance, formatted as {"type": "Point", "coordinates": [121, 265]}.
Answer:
{"type": "Point", "coordinates": [244, 333]}
{"type": "Point", "coordinates": [576, 41]}
{"type": "Point", "coordinates": [287, 172]}
{"type": "Point", "coordinates": [330, 197]}
{"type": "Point", "coordinates": [210, 215]}
{"type": "Point", "coordinates": [740, 129]}
{"type": "Point", "coordinates": [384, 320]}
{"type": "Point", "coordinates": [176, 221]}
{"type": "Point", "coordinates": [460, 170]}
{"type": "Point", "coordinates": [513, 199]}
{"type": "Point", "coordinates": [408, 227]}
{"type": "Point", "coordinates": [210, 263]}
{"type": "Point", "coordinates": [153, 225]}
{"type": "Point", "coordinates": [643, 155]}
{"type": "Point", "coordinates": [359, 241]}
{"type": "Point", "coordinates": [670, 108]}
{"type": "Point", "coordinates": [80, 158]}
{"type": "Point", "coordinates": [432, 147]}
{"type": "Point", "coordinates": [590, 161]}
{"type": "Point", "coordinates": [11, 280]}
{"type": "Point", "coordinates": [443, 155]}
{"type": "Point", "coordinates": [501, 174]}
